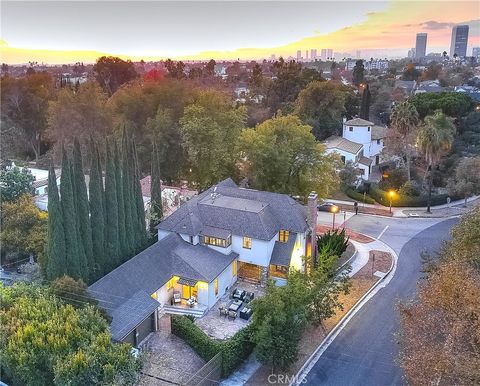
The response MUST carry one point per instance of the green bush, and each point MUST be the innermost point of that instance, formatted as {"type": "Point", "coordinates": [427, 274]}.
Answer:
{"type": "Point", "coordinates": [332, 242]}
{"type": "Point", "coordinates": [359, 196]}
{"type": "Point", "coordinates": [407, 201]}
{"type": "Point", "coordinates": [409, 189]}
{"type": "Point", "coordinates": [205, 347]}
{"type": "Point", "coordinates": [396, 178]}
{"type": "Point", "coordinates": [236, 349]}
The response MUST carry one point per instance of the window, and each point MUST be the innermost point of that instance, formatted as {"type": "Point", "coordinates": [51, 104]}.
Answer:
{"type": "Point", "coordinates": [283, 236]}
{"type": "Point", "coordinates": [368, 128]}
{"type": "Point", "coordinates": [378, 141]}
{"type": "Point", "coordinates": [350, 128]}
{"type": "Point", "coordinates": [215, 286]}
{"type": "Point", "coordinates": [234, 268]}
{"type": "Point", "coordinates": [217, 242]}
{"type": "Point", "coordinates": [343, 158]}
{"type": "Point", "coordinates": [191, 239]}
{"type": "Point", "coordinates": [247, 242]}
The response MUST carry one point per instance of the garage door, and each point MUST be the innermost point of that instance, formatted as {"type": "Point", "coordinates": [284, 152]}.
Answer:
{"type": "Point", "coordinates": [141, 331]}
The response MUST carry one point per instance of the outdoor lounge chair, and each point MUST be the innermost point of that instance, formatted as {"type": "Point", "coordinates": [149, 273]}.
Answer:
{"type": "Point", "coordinates": [232, 315]}
{"type": "Point", "coordinates": [177, 298]}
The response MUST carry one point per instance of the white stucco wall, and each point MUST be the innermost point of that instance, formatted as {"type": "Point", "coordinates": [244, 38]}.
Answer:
{"type": "Point", "coordinates": [348, 156]}
{"type": "Point", "coordinates": [360, 134]}
{"type": "Point", "coordinates": [375, 148]}
{"type": "Point", "coordinates": [366, 171]}
{"type": "Point", "coordinates": [163, 296]}
{"type": "Point", "coordinates": [259, 254]}
{"type": "Point", "coordinates": [225, 280]}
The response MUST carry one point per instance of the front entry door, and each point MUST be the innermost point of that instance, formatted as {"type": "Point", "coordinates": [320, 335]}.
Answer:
{"type": "Point", "coordinates": [186, 293]}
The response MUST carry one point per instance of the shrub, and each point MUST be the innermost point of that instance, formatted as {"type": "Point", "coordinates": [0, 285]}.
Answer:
{"type": "Point", "coordinates": [332, 243]}
{"type": "Point", "coordinates": [407, 201]}
{"type": "Point", "coordinates": [236, 349]}
{"type": "Point", "coordinates": [396, 178]}
{"type": "Point", "coordinates": [409, 189]}
{"type": "Point", "coordinates": [184, 328]}
{"type": "Point", "coordinates": [358, 196]}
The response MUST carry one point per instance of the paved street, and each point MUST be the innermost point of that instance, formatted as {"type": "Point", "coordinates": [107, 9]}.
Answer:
{"type": "Point", "coordinates": [364, 352]}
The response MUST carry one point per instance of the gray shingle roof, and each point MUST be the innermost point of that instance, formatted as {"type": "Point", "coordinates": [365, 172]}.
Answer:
{"type": "Point", "coordinates": [340, 143]}
{"type": "Point", "coordinates": [358, 122]}
{"type": "Point", "coordinates": [131, 313]}
{"type": "Point", "coordinates": [243, 212]}
{"type": "Point", "coordinates": [365, 161]}
{"type": "Point", "coordinates": [378, 132]}
{"type": "Point", "coordinates": [282, 252]}
{"type": "Point", "coordinates": [123, 292]}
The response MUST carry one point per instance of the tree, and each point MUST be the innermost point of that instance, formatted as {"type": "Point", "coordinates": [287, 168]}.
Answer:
{"type": "Point", "coordinates": [156, 210]}
{"type": "Point", "coordinates": [138, 206]}
{"type": "Point", "coordinates": [112, 243]}
{"type": "Point", "coordinates": [74, 252]}
{"type": "Point", "coordinates": [348, 175]}
{"type": "Point", "coordinates": [112, 72]}
{"type": "Point", "coordinates": [82, 114]}
{"type": "Point", "coordinates": [365, 106]}
{"type": "Point", "coordinates": [466, 180]}
{"type": "Point", "coordinates": [48, 342]}
{"type": "Point", "coordinates": [401, 136]}
{"type": "Point", "coordinates": [128, 199]}
{"type": "Point", "coordinates": [281, 155]}
{"type": "Point", "coordinates": [119, 174]}
{"type": "Point", "coordinates": [440, 330]}
{"type": "Point", "coordinates": [56, 249]}
{"type": "Point", "coordinates": [434, 138]}
{"type": "Point", "coordinates": [210, 127]}
{"type": "Point", "coordinates": [14, 183]}
{"type": "Point", "coordinates": [453, 104]}
{"type": "Point", "coordinates": [410, 72]}
{"type": "Point", "coordinates": [358, 72]}
{"type": "Point", "coordinates": [175, 70]}
{"type": "Point", "coordinates": [97, 218]}
{"type": "Point", "coordinates": [83, 210]}
{"type": "Point", "coordinates": [24, 228]}
{"type": "Point", "coordinates": [321, 105]}
{"type": "Point", "coordinates": [71, 291]}
{"type": "Point", "coordinates": [24, 113]}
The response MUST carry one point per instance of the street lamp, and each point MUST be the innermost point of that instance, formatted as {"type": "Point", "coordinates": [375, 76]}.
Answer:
{"type": "Point", "coordinates": [334, 210]}
{"type": "Point", "coordinates": [391, 194]}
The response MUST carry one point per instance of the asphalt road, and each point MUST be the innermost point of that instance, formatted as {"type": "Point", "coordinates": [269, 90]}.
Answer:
{"type": "Point", "coordinates": [364, 352]}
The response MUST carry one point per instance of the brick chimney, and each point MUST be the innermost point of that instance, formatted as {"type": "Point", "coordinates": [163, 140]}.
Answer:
{"type": "Point", "coordinates": [312, 221]}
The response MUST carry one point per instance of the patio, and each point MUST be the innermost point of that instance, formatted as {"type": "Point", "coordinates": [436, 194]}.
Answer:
{"type": "Point", "coordinates": [223, 327]}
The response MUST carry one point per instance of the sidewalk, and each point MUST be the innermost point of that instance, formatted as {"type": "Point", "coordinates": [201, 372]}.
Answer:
{"type": "Point", "coordinates": [454, 208]}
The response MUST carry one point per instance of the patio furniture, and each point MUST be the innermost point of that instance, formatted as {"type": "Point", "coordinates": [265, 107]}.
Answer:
{"type": "Point", "coordinates": [239, 294]}
{"type": "Point", "coordinates": [223, 311]}
{"type": "Point", "coordinates": [249, 296]}
{"type": "Point", "coordinates": [177, 298]}
{"type": "Point", "coordinates": [192, 301]}
{"type": "Point", "coordinates": [245, 313]}
{"type": "Point", "coordinates": [235, 305]}
{"type": "Point", "coordinates": [232, 315]}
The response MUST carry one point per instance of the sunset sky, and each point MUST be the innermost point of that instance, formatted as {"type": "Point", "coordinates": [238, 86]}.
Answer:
{"type": "Point", "coordinates": [67, 32]}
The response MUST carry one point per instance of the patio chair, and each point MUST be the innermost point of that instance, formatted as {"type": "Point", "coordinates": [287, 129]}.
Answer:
{"type": "Point", "coordinates": [232, 315]}
{"type": "Point", "coordinates": [177, 298]}
{"type": "Point", "coordinates": [224, 312]}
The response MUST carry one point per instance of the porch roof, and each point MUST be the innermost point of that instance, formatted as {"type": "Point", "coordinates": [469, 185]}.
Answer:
{"type": "Point", "coordinates": [185, 281]}
{"type": "Point", "coordinates": [282, 252]}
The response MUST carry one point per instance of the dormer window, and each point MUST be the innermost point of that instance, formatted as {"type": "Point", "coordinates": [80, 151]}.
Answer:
{"type": "Point", "coordinates": [283, 236]}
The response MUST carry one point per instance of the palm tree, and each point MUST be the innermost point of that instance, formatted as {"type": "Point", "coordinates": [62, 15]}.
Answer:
{"type": "Point", "coordinates": [435, 137]}
{"type": "Point", "coordinates": [404, 120]}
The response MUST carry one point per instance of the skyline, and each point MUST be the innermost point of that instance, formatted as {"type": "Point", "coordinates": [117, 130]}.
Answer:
{"type": "Point", "coordinates": [66, 32]}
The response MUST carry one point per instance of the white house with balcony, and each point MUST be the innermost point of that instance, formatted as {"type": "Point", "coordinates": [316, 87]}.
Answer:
{"type": "Point", "coordinates": [210, 241]}
{"type": "Point", "coordinates": [361, 143]}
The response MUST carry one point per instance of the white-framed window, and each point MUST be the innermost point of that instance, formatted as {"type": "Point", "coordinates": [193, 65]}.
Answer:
{"type": "Point", "coordinates": [283, 236]}
{"type": "Point", "coordinates": [378, 141]}
{"type": "Point", "coordinates": [247, 242]}
{"type": "Point", "coordinates": [368, 128]}
{"type": "Point", "coordinates": [350, 128]}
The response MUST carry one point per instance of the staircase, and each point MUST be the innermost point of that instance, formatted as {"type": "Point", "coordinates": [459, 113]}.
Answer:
{"type": "Point", "coordinates": [197, 311]}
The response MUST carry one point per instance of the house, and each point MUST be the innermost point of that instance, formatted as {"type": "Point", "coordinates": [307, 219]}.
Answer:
{"type": "Point", "coordinates": [429, 86]}
{"type": "Point", "coordinates": [210, 241]}
{"type": "Point", "coordinates": [406, 85]}
{"type": "Point", "coordinates": [361, 143]}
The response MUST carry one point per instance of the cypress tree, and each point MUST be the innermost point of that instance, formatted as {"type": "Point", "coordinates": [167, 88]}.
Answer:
{"type": "Point", "coordinates": [97, 214]}
{"type": "Point", "coordinates": [56, 263]}
{"type": "Point", "coordinates": [121, 204]}
{"type": "Point", "coordinates": [83, 212]}
{"type": "Point", "coordinates": [75, 263]}
{"type": "Point", "coordinates": [112, 249]}
{"type": "Point", "coordinates": [365, 103]}
{"type": "Point", "coordinates": [140, 207]}
{"type": "Point", "coordinates": [127, 196]}
{"type": "Point", "coordinates": [156, 209]}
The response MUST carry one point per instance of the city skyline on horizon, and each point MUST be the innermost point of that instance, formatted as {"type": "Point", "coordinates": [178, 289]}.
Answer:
{"type": "Point", "coordinates": [184, 30]}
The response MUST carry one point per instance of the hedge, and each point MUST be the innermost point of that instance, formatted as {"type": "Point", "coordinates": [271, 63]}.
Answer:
{"type": "Point", "coordinates": [234, 350]}
{"type": "Point", "coordinates": [358, 196]}
{"type": "Point", "coordinates": [407, 201]}
{"type": "Point", "coordinates": [205, 347]}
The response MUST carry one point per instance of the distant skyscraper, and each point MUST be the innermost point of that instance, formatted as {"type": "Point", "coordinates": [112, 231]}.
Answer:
{"type": "Point", "coordinates": [323, 54]}
{"type": "Point", "coordinates": [313, 54]}
{"type": "Point", "coordinates": [306, 55]}
{"type": "Point", "coordinates": [421, 45]}
{"type": "Point", "coordinates": [329, 53]}
{"type": "Point", "coordinates": [476, 52]}
{"type": "Point", "coordinates": [459, 41]}
{"type": "Point", "coordinates": [299, 56]}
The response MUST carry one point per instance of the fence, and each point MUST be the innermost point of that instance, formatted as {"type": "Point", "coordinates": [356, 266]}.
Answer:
{"type": "Point", "coordinates": [209, 375]}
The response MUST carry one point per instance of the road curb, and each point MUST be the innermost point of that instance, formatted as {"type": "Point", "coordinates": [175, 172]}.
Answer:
{"type": "Point", "coordinates": [315, 356]}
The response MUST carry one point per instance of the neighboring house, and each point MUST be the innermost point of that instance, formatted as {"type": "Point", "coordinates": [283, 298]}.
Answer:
{"type": "Point", "coordinates": [361, 143]}
{"type": "Point", "coordinates": [429, 86]}
{"type": "Point", "coordinates": [406, 85]}
{"type": "Point", "coordinates": [41, 180]}
{"type": "Point", "coordinates": [471, 91]}
{"type": "Point", "coordinates": [222, 234]}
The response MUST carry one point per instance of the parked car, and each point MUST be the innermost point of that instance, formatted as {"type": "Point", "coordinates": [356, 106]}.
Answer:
{"type": "Point", "coordinates": [325, 206]}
